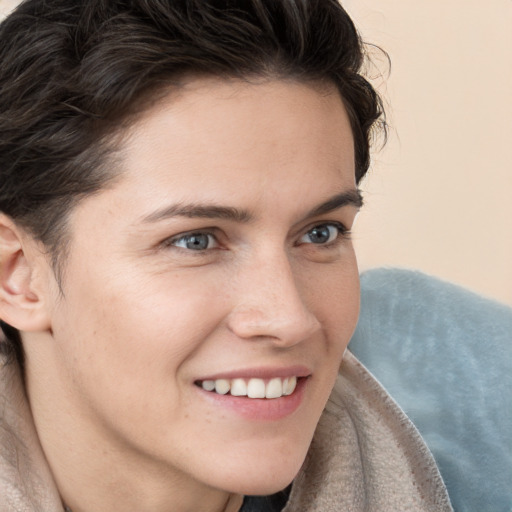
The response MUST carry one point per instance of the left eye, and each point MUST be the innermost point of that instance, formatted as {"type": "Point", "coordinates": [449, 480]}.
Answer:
{"type": "Point", "coordinates": [195, 241]}
{"type": "Point", "coordinates": [322, 234]}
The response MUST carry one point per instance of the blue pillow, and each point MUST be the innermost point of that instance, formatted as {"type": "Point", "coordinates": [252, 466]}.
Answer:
{"type": "Point", "coordinates": [445, 355]}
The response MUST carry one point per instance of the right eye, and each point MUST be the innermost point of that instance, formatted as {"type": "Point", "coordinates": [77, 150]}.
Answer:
{"type": "Point", "coordinates": [195, 241]}
{"type": "Point", "coordinates": [323, 234]}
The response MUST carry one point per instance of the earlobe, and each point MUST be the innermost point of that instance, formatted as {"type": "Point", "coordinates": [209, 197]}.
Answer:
{"type": "Point", "coordinates": [22, 304]}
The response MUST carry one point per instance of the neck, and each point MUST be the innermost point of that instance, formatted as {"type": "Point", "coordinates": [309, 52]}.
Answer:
{"type": "Point", "coordinates": [232, 505]}
{"type": "Point", "coordinates": [81, 499]}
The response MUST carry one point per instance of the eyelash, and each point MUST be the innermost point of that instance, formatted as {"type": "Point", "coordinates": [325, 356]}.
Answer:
{"type": "Point", "coordinates": [343, 233]}
{"type": "Point", "coordinates": [171, 242]}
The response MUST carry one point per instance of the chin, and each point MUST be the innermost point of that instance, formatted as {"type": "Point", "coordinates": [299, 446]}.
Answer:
{"type": "Point", "coordinates": [263, 485]}
{"type": "Point", "coordinates": [264, 477]}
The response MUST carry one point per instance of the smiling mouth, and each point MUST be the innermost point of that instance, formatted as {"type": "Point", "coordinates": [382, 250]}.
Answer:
{"type": "Point", "coordinates": [251, 388]}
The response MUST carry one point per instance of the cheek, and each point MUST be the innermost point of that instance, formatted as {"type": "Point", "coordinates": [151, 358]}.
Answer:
{"type": "Point", "coordinates": [137, 326]}
{"type": "Point", "coordinates": [122, 347]}
{"type": "Point", "coordinates": [334, 296]}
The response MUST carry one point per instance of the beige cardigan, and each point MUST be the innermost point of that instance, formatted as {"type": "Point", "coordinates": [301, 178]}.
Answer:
{"type": "Point", "coordinates": [366, 455]}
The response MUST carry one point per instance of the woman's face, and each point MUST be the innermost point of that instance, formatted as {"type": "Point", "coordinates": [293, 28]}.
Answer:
{"type": "Point", "coordinates": [221, 257]}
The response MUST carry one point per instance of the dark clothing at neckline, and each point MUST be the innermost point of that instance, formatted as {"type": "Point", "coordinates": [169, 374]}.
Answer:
{"type": "Point", "coordinates": [273, 503]}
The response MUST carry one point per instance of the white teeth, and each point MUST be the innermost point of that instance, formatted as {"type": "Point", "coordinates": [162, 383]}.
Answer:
{"type": "Point", "coordinates": [256, 388]}
{"type": "Point", "coordinates": [222, 386]}
{"type": "Point", "coordinates": [253, 388]}
{"type": "Point", "coordinates": [274, 389]}
{"type": "Point", "coordinates": [238, 387]}
{"type": "Point", "coordinates": [208, 385]}
{"type": "Point", "coordinates": [289, 386]}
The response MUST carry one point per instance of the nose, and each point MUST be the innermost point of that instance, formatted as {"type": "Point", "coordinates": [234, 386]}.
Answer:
{"type": "Point", "coordinates": [270, 305]}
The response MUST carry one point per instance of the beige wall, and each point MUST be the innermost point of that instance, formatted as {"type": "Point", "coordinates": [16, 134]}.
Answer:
{"type": "Point", "coordinates": [6, 6]}
{"type": "Point", "coordinates": [439, 197]}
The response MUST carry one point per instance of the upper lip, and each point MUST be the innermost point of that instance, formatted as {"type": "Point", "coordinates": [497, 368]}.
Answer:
{"type": "Point", "coordinates": [261, 373]}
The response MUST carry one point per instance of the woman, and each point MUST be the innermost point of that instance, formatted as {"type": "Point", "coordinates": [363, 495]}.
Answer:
{"type": "Point", "coordinates": [178, 284]}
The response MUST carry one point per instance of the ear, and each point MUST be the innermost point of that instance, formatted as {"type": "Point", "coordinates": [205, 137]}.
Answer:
{"type": "Point", "coordinates": [22, 271]}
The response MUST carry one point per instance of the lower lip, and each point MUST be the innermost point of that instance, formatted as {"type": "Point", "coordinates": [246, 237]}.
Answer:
{"type": "Point", "coordinates": [262, 409]}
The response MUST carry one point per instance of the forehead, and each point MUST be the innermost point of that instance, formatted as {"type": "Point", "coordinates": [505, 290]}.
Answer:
{"type": "Point", "coordinates": [247, 124]}
{"type": "Point", "coordinates": [251, 146]}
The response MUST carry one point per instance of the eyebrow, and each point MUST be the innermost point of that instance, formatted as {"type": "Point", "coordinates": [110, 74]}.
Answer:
{"type": "Point", "coordinates": [351, 197]}
{"type": "Point", "coordinates": [199, 211]}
